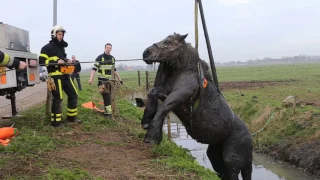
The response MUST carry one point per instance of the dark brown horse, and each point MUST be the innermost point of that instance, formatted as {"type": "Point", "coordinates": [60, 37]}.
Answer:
{"type": "Point", "coordinates": [185, 87]}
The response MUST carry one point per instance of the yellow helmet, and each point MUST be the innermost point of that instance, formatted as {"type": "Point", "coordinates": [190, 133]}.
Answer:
{"type": "Point", "coordinates": [56, 29]}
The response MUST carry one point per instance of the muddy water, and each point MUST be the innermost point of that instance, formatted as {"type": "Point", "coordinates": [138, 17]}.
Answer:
{"type": "Point", "coordinates": [264, 168]}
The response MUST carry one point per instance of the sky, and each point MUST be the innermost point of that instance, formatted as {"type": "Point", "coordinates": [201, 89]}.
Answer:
{"type": "Point", "coordinates": [239, 30]}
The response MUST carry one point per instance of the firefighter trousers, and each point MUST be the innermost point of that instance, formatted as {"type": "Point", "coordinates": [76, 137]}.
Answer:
{"type": "Point", "coordinates": [106, 95]}
{"type": "Point", "coordinates": [77, 76]}
{"type": "Point", "coordinates": [65, 84]}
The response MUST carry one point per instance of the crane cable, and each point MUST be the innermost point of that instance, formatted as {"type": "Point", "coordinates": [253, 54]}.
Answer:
{"type": "Point", "coordinates": [196, 12]}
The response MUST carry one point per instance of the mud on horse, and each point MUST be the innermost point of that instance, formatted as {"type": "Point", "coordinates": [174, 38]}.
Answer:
{"type": "Point", "coordinates": [202, 109]}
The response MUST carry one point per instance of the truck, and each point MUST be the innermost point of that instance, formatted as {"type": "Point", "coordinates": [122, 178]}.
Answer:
{"type": "Point", "coordinates": [15, 42]}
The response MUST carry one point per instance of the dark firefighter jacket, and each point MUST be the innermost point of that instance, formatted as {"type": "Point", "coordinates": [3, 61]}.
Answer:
{"type": "Point", "coordinates": [6, 60]}
{"type": "Point", "coordinates": [103, 64]}
{"type": "Point", "coordinates": [49, 56]}
{"type": "Point", "coordinates": [77, 66]}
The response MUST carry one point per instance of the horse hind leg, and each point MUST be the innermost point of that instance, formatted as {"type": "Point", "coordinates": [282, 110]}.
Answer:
{"type": "Point", "coordinates": [246, 172]}
{"type": "Point", "coordinates": [237, 158]}
{"type": "Point", "coordinates": [230, 173]}
{"type": "Point", "coordinates": [214, 154]}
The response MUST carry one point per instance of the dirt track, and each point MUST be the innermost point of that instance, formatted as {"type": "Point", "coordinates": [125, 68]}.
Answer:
{"type": "Point", "coordinates": [249, 84]}
{"type": "Point", "coordinates": [28, 97]}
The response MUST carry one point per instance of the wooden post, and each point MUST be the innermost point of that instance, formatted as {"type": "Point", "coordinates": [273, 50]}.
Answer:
{"type": "Point", "coordinates": [177, 129]}
{"type": "Point", "coordinates": [294, 104]}
{"type": "Point", "coordinates": [169, 126]}
{"type": "Point", "coordinates": [147, 82]}
{"type": "Point", "coordinates": [196, 13]}
{"type": "Point", "coordinates": [48, 101]}
{"type": "Point", "coordinates": [139, 78]}
{"type": "Point", "coordinates": [113, 102]}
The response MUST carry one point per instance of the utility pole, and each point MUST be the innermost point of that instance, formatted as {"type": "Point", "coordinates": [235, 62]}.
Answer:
{"type": "Point", "coordinates": [54, 12]}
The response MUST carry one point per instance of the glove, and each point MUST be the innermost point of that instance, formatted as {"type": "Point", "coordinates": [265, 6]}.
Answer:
{"type": "Point", "coordinates": [121, 82]}
{"type": "Point", "coordinates": [50, 84]}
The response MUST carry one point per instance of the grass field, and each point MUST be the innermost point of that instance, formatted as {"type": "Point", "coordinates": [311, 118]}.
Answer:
{"type": "Point", "coordinates": [298, 80]}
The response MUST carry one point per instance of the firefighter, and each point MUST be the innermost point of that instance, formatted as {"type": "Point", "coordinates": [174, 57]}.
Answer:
{"type": "Point", "coordinates": [10, 62]}
{"type": "Point", "coordinates": [59, 69]}
{"type": "Point", "coordinates": [77, 70]}
{"type": "Point", "coordinates": [104, 63]}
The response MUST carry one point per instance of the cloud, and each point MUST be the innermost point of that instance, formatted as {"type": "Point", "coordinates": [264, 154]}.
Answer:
{"type": "Point", "coordinates": [233, 2]}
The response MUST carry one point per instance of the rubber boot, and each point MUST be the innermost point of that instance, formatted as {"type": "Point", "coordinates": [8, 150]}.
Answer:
{"type": "Point", "coordinates": [55, 124]}
{"type": "Point", "coordinates": [108, 115]}
{"type": "Point", "coordinates": [73, 119]}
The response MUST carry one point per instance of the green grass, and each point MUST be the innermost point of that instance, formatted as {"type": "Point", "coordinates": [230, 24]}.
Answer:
{"type": "Point", "coordinates": [67, 174]}
{"type": "Point", "coordinates": [179, 158]}
{"type": "Point", "coordinates": [269, 72]}
{"type": "Point", "coordinates": [301, 80]}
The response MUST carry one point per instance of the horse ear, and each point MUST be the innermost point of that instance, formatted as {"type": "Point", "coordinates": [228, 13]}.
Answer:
{"type": "Point", "coordinates": [183, 37]}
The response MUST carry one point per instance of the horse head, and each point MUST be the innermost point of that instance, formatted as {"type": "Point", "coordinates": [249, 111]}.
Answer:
{"type": "Point", "coordinates": [165, 50]}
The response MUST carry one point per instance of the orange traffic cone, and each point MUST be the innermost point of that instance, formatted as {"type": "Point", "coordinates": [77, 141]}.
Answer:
{"type": "Point", "coordinates": [4, 142]}
{"type": "Point", "coordinates": [88, 105]}
{"type": "Point", "coordinates": [91, 105]}
{"type": "Point", "coordinates": [6, 133]}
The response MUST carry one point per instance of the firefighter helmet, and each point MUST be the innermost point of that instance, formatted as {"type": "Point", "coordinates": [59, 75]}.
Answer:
{"type": "Point", "coordinates": [55, 29]}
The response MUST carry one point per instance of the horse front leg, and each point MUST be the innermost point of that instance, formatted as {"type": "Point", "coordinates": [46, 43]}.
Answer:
{"type": "Point", "coordinates": [174, 99]}
{"type": "Point", "coordinates": [151, 106]}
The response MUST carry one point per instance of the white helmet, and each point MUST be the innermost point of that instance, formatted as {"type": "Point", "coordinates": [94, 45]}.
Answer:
{"type": "Point", "coordinates": [55, 29]}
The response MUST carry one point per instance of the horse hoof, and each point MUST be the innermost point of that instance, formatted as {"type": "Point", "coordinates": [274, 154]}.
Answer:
{"type": "Point", "coordinates": [145, 126]}
{"type": "Point", "coordinates": [150, 141]}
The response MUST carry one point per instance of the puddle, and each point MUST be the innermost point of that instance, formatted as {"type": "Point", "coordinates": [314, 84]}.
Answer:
{"type": "Point", "coordinates": [263, 167]}
{"type": "Point", "coordinates": [131, 95]}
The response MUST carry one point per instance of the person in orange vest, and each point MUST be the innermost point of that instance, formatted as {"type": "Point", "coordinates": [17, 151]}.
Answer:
{"type": "Point", "coordinates": [77, 70]}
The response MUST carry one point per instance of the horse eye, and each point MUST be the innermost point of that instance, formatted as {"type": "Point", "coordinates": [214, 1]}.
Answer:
{"type": "Point", "coordinates": [166, 42]}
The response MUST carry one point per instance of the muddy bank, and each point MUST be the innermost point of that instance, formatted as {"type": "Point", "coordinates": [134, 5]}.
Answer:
{"type": "Point", "coordinates": [304, 155]}
{"type": "Point", "coordinates": [250, 84]}
{"type": "Point", "coordinates": [291, 138]}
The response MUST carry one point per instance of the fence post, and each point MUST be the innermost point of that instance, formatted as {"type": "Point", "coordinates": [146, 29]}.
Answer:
{"type": "Point", "coordinates": [113, 102]}
{"type": "Point", "coordinates": [48, 102]}
{"type": "Point", "coordinates": [169, 126]}
{"type": "Point", "coordinates": [147, 82]}
{"type": "Point", "coordinates": [139, 78]}
{"type": "Point", "coordinates": [294, 104]}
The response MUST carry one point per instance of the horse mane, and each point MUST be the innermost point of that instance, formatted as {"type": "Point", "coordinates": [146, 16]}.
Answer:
{"type": "Point", "coordinates": [187, 59]}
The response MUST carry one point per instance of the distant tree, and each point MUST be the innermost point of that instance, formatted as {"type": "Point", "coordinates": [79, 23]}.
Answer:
{"type": "Point", "coordinates": [120, 67]}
